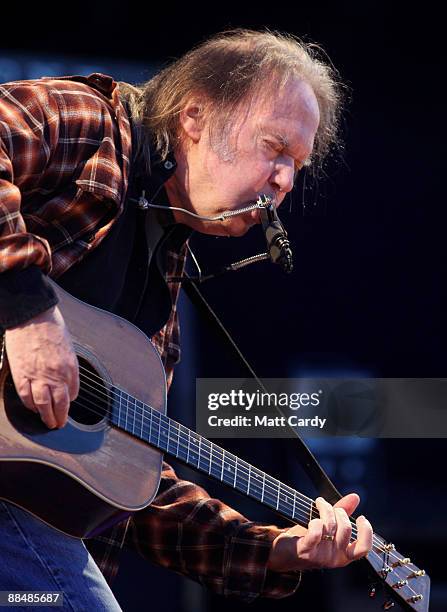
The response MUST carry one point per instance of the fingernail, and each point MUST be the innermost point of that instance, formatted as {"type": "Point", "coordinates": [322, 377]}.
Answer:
{"type": "Point", "coordinates": [362, 517]}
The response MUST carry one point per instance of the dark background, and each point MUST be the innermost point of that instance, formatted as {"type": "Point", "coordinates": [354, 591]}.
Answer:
{"type": "Point", "coordinates": [366, 297]}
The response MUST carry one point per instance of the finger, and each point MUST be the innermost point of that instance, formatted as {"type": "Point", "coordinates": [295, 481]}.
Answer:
{"type": "Point", "coordinates": [73, 383]}
{"type": "Point", "coordinates": [361, 547]}
{"type": "Point", "coordinates": [25, 395]}
{"type": "Point", "coordinates": [61, 404]}
{"type": "Point", "coordinates": [349, 503]}
{"type": "Point", "coordinates": [327, 515]}
{"type": "Point", "coordinates": [43, 402]}
{"type": "Point", "coordinates": [312, 538]}
{"type": "Point", "coordinates": [344, 529]}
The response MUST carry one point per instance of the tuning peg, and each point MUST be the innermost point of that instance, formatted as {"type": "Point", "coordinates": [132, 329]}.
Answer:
{"type": "Point", "coordinates": [388, 605]}
{"type": "Point", "coordinates": [400, 562]}
{"type": "Point", "coordinates": [417, 574]}
{"type": "Point", "coordinates": [415, 598]}
{"type": "Point", "coordinates": [400, 584]}
{"type": "Point", "coordinates": [372, 591]}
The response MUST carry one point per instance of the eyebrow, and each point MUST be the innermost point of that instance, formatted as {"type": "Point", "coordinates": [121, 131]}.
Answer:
{"type": "Point", "coordinates": [283, 141]}
{"type": "Point", "coordinates": [280, 138]}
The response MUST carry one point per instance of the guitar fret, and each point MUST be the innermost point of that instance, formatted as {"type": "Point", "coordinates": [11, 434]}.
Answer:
{"type": "Point", "coordinates": [158, 434]}
{"type": "Point", "coordinates": [180, 446]}
{"type": "Point", "coordinates": [169, 435]}
{"type": "Point", "coordinates": [189, 443]}
{"type": "Point", "coordinates": [142, 420]}
{"type": "Point", "coordinates": [125, 422]}
{"type": "Point", "coordinates": [255, 489]}
{"type": "Point", "coordinates": [195, 437]}
{"type": "Point", "coordinates": [185, 453]}
{"type": "Point", "coordinates": [223, 463]}
{"type": "Point", "coordinates": [200, 448]}
{"type": "Point", "coordinates": [131, 403]}
{"type": "Point", "coordinates": [178, 441]}
{"type": "Point", "coordinates": [132, 412]}
{"type": "Point", "coordinates": [165, 433]}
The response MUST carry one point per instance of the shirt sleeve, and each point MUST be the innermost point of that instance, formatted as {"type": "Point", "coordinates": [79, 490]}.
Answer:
{"type": "Point", "coordinates": [23, 295]}
{"type": "Point", "coordinates": [24, 257]}
{"type": "Point", "coordinates": [187, 531]}
{"type": "Point", "coordinates": [24, 152]}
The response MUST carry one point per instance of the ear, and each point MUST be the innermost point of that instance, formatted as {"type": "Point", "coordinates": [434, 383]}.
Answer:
{"type": "Point", "coordinates": [192, 119]}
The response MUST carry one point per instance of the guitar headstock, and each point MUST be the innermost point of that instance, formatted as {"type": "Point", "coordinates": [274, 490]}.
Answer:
{"type": "Point", "coordinates": [406, 583]}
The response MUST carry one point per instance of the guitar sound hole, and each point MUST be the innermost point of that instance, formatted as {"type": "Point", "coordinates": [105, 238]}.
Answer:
{"type": "Point", "coordinates": [93, 401]}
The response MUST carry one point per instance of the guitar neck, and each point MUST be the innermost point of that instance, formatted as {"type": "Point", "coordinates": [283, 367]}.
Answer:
{"type": "Point", "coordinates": [173, 438]}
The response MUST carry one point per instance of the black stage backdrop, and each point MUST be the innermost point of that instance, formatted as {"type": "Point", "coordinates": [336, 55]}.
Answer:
{"type": "Point", "coordinates": [366, 295]}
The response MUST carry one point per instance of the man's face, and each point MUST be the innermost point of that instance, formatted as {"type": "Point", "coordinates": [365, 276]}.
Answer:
{"type": "Point", "coordinates": [269, 142]}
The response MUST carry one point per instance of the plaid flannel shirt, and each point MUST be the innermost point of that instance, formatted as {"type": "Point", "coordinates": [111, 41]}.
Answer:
{"type": "Point", "coordinates": [65, 151]}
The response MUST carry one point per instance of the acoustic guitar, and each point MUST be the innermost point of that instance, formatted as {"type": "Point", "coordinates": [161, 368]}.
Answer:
{"type": "Point", "coordinates": [106, 462]}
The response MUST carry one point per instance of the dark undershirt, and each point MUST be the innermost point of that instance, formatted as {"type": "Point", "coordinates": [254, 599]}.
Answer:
{"type": "Point", "coordinates": [126, 275]}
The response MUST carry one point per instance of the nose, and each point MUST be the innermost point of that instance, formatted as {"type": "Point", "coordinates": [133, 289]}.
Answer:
{"type": "Point", "coordinates": [283, 175]}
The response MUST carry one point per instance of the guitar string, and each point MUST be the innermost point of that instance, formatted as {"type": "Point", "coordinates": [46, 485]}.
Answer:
{"type": "Point", "coordinates": [305, 516]}
{"type": "Point", "coordinates": [313, 509]}
{"type": "Point", "coordinates": [305, 498]}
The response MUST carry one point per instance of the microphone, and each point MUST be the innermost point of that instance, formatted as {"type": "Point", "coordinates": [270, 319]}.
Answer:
{"type": "Point", "coordinates": [278, 245]}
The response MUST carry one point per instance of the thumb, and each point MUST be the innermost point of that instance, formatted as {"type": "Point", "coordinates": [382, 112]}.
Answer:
{"type": "Point", "coordinates": [349, 503]}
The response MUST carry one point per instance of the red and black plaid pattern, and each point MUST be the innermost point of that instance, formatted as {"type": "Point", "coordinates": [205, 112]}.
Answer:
{"type": "Point", "coordinates": [64, 162]}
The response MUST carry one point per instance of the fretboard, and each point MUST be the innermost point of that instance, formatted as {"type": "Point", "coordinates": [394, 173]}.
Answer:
{"type": "Point", "coordinates": [173, 438]}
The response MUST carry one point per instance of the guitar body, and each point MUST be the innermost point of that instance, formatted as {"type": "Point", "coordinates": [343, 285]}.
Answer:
{"type": "Point", "coordinates": [89, 474]}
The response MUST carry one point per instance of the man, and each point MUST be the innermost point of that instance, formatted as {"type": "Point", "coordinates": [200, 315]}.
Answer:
{"type": "Point", "coordinates": [81, 159]}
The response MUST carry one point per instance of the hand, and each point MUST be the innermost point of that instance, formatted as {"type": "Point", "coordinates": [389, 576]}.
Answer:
{"type": "Point", "coordinates": [299, 548]}
{"type": "Point", "coordinates": [43, 365]}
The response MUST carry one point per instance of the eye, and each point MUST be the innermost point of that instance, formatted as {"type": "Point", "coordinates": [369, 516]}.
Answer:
{"type": "Point", "coordinates": [271, 146]}
{"type": "Point", "coordinates": [277, 149]}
